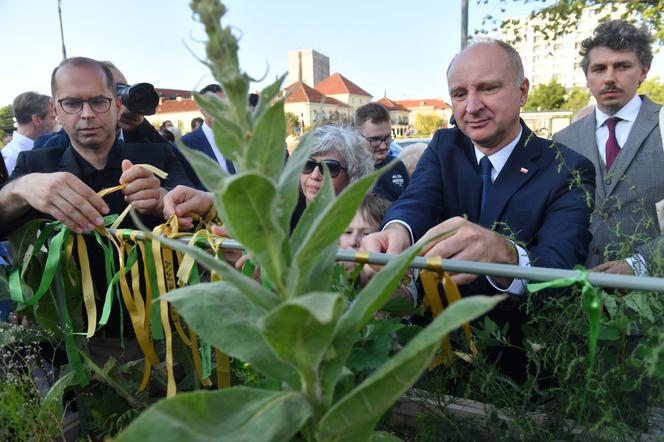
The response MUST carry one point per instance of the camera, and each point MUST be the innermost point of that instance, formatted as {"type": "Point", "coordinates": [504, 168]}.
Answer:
{"type": "Point", "coordinates": [140, 98]}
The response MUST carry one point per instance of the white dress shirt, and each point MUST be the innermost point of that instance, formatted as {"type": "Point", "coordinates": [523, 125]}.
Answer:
{"type": "Point", "coordinates": [19, 143]}
{"type": "Point", "coordinates": [627, 115]}
{"type": "Point", "coordinates": [207, 130]}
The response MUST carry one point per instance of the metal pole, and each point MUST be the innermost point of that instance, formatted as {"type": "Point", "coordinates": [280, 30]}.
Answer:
{"type": "Point", "coordinates": [62, 34]}
{"type": "Point", "coordinates": [464, 24]}
{"type": "Point", "coordinates": [606, 280]}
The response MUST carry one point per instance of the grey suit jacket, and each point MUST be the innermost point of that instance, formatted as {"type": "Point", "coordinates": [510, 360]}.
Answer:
{"type": "Point", "coordinates": [624, 220]}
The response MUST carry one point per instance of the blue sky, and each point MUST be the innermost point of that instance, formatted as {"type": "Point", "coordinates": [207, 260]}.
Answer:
{"type": "Point", "coordinates": [392, 46]}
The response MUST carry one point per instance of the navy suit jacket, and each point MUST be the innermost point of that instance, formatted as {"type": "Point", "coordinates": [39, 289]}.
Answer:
{"type": "Point", "coordinates": [542, 198]}
{"type": "Point", "coordinates": [198, 141]}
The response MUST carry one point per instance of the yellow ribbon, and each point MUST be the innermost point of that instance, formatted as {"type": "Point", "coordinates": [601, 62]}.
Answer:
{"type": "Point", "coordinates": [88, 288]}
{"type": "Point", "coordinates": [430, 281]}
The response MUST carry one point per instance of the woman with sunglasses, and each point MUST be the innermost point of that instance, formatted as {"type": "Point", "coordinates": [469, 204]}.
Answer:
{"type": "Point", "coordinates": [343, 152]}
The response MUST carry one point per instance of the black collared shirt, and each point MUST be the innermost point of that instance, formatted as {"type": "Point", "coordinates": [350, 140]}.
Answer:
{"type": "Point", "coordinates": [67, 159]}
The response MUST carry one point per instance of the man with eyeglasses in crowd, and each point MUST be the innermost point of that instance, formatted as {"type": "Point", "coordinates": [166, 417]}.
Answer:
{"type": "Point", "coordinates": [131, 128]}
{"type": "Point", "coordinates": [372, 122]}
{"type": "Point", "coordinates": [61, 183]}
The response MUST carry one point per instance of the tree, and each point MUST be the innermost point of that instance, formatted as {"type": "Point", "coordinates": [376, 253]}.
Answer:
{"type": "Point", "coordinates": [577, 97]}
{"type": "Point", "coordinates": [654, 89]}
{"type": "Point", "coordinates": [563, 15]}
{"type": "Point", "coordinates": [6, 118]}
{"type": "Point", "coordinates": [546, 97]}
{"type": "Point", "coordinates": [426, 124]}
{"type": "Point", "coordinates": [292, 121]}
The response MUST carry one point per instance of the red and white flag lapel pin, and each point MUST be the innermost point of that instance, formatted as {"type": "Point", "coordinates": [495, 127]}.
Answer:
{"type": "Point", "coordinates": [523, 170]}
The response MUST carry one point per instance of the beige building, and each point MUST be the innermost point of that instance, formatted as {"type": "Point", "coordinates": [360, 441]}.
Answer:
{"type": "Point", "coordinates": [308, 66]}
{"type": "Point", "coordinates": [559, 59]}
{"type": "Point", "coordinates": [341, 88]}
{"type": "Point", "coordinates": [313, 108]}
{"type": "Point", "coordinates": [428, 106]}
{"type": "Point", "coordinates": [399, 116]}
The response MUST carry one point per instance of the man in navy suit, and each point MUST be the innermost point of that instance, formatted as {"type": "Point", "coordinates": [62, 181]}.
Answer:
{"type": "Point", "coordinates": [506, 195]}
{"type": "Point", "coordinates": [532, 205]}
{"type": "Point", "coordinates": [202, 139]}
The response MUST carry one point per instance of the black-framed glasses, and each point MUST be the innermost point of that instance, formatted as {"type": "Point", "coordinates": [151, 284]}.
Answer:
{"type": "Point", "coordinates": [376, 141]}
{"type": "Point", "coordinates": [333, 166]}
{"type": "Point", "coordinates": [98, 104]}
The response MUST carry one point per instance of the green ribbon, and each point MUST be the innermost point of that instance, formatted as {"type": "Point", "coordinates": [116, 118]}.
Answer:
{"type": "Point", "coordinates": [52, 265]}
{"type": "Point", "coordinates": [592, 305]}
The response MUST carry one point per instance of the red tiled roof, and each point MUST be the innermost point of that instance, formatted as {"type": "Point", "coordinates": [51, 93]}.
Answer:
{"type": "Point", "coordinates": [174, 106]}
{"type": "Point", "coordinates": [391, 105]}
{"type": "Point", "coordinates": [172, 93]}
{"type": "Point", "coordinates": [426, 102]}
{"type": "Point", "coordinates": [299, 92]}
{"type": "Point", "coordinates": [338, 84]}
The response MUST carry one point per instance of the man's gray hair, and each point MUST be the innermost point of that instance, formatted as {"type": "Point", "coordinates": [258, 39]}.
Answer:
{"type": "Point", "coordinates": [28, 104]}
{"type": "Point", "coordinates": [513, 54]}
{"type": "Point", "coordinates": [349, 146]}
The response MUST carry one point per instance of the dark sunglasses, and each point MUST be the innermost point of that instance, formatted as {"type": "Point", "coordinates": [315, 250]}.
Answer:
{"type": "Point", "coordinates": [333, 166]}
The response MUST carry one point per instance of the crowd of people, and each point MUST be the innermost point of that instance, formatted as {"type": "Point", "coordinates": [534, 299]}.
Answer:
{"type": "Point", "coordinates": [506, 195]}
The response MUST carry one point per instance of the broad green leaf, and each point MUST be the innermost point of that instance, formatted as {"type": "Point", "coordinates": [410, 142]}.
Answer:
{"type": "Point", "coordinates": [234, 330]}
{"type": "Point", "coordinates": [365, 405]}
{"type": "Point", "coordinates": [22, 238]}
{"type": "Point", "coordinates": [266, 96]}
{"type": "Point", "coordinates": [384, 436]}
{"type": "Point", "coordinates": [300, 330]}
{"type": "Point", "coordinates": [289, 180]}
{"type": "Point", "coordinates": [317, 274]}
{"type": "Point", "coordinates": [267, 145]}
{"type": "Point", "coordinates": [51, 407]}
{"type": "Point", "coordinates": [312, 212]}
{"type": "Point", "coordinates": [641, 304]}
{"type": "Point", "coordinates": [228, 135]}
{"type": "Point", "coordinates": [326, 228]}
{"type": "Point", "coordinates": [250, 288]}
{"type": "Point", "coordinates": [207, 169]}
{"type": "Point", "coordinates": [236, 414]}
{"type": "Point", "coordinates": [229, 139]}
{"type": "Point", "coordinates": [374, 295]}
{"type": "Point", "coordinates": [247, 207]}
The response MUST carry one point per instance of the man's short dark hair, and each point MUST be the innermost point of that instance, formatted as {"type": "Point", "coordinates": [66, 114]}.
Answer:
{"type": "Point", "coordinates": [214, 88]}
{"type": "Point", "coordinates": [374, 112]}
{"type": "Point", "coordinates": [196, 122]}
{"type": "Point", "coordinates": [373, 208]}
{"type": "Point", "coordinates": [28, 104]}
{"type": "Point", "coordinates": [618, 35]}
{"type": "Point", "coordinates": [85, 61]}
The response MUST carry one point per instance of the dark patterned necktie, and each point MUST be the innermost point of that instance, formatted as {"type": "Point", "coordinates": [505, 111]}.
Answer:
{"type": "Point", "coordinates": [485, 169]}
{"type": "Point", "coordinates": [612, 147]}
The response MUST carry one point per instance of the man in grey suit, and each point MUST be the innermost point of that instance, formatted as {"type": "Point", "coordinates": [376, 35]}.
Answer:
{"type": "Point", "coordinates": [622, 139]}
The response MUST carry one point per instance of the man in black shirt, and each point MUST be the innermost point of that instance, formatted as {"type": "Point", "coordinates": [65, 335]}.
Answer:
{"type": "Point", "coordinates": [372, 122]}
{"type": "Point", "coordinates": [61, 183]}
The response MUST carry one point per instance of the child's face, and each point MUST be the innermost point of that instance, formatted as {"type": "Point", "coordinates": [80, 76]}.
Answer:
{"type": "Point", "coordinates": [358, 229]}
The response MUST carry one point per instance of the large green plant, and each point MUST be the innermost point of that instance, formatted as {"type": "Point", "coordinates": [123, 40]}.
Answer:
{"type": "Point", "coordinates": [297, 332]}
